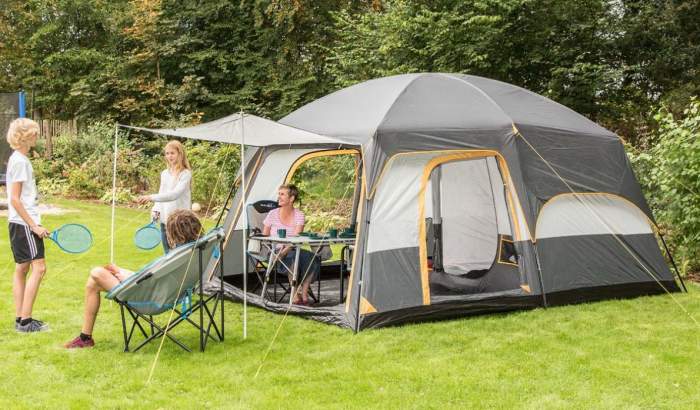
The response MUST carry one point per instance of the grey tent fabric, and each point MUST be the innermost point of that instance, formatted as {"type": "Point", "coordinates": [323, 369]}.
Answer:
{"type": "Point", "coordinates": [433, 111]}
{"type": "Point", "coordinates": [470, 231]}
{"type": "Point", "coordinates": [244, 129]}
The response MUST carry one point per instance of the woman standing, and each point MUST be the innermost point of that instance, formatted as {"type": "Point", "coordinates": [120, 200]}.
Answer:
{"type": "Point", "coordinates": [175, 187]}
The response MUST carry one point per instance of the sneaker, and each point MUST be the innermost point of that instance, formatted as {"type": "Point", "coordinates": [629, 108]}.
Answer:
{"type": "Point", "coordinates": [33, 326]}
{"type": "Point", "coordinates": [79, 343]}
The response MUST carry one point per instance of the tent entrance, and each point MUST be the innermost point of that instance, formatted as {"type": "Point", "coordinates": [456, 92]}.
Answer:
{"type": "Point", "coordinates": [468, 228]}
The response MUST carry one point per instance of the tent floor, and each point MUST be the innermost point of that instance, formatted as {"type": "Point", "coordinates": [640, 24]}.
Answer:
{"type": "Point", "coordinates": [330, 292]}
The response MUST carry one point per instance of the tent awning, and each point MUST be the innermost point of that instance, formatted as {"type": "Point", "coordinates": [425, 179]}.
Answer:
{"type": "Point", "coordinates": [244, 128]}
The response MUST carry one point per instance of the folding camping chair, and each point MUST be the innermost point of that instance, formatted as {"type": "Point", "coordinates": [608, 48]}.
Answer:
{"type": "Point", "coordinates": [258, 254]}
{"type": "Point", "coordinates": [172, 282]}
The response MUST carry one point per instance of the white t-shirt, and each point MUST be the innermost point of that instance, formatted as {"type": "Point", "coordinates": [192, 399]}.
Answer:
{"type": "Point", "coordinates": [174, 193]}
{"type": "Point", "coordinates": [19, 169]}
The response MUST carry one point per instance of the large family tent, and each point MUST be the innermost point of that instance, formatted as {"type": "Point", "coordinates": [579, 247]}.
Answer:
{"type": "Point", "coordinates": [472, 196]}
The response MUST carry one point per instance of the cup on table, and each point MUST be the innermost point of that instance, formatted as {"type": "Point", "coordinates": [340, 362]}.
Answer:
{"type": "Point", "coordinates": [282, 233]}
{"type": "Point", "coordinates": [333, 233]}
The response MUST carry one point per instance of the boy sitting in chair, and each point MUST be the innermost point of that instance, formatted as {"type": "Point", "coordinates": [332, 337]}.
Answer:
{"type": "Point", "coordinates": [182, 227]}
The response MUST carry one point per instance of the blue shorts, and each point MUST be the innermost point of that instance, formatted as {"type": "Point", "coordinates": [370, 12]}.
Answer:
{"type": "Point", "coordinates": [306, 258]}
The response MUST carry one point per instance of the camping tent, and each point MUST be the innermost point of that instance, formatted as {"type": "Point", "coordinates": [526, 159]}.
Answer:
{"type": "Point", "coordinates": [473, 196]}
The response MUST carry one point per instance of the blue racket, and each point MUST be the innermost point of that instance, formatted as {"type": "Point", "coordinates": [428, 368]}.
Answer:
{"type": "Point", "coordinates": [72, 238]}
{"type": "Point", "coordinates": [147, 237]}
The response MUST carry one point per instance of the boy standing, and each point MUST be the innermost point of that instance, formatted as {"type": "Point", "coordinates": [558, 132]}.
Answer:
{"type": "Point", "coordinates": [26, 232]}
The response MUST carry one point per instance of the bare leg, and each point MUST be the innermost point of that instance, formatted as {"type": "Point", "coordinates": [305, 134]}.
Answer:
{"type": "Point", "coordinates": [305, 289]}
{"type": "Point", "coordinates": [100, 280]}
{"type": "Point", "coordinates": [18, 283]}
{"type": "Point", "coordinates": [32, 287]}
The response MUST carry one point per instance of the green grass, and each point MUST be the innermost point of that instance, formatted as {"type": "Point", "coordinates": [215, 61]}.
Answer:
{"type": "Point", "coordinates": [638, 353]}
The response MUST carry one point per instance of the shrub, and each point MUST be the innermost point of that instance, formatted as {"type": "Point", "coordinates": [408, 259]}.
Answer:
{"type": "Point", "coordinates": [214, 168]}
{"type": "Point", "coordinates": [670, 175]}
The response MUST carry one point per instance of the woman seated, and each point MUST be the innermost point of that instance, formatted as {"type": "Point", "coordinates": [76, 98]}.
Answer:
{"type": "Point", "coordinates": [182, 227]}
{"type": "Point", "coordinates": [292, 220]}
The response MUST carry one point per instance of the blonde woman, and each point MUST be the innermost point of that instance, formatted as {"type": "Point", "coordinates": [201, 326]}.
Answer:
{"type": "Point", "coordinates": [26, 233]}
{"type": "Point", "coordinates": [175, 187]}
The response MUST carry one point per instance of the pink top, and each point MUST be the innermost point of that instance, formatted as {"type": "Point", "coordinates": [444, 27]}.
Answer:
{"type": "Point", "coordinates": [274, 221]}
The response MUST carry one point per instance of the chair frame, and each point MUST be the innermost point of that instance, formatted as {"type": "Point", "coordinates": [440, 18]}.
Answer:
{"type": "Point", "coordinates": [207, 315]}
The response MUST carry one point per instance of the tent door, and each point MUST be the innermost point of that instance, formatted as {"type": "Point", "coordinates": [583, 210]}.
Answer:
{"type": "Point", "coordinates": [465, 205]}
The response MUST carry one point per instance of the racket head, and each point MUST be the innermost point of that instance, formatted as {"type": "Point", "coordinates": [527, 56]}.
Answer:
{"type": "Point", "coordinates": [72, 238]}
{"type": "Point", "coordinates": [147, 237]}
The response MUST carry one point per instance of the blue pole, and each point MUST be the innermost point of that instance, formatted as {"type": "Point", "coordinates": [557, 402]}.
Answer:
{"type": "Point", "coordinates": [22, 103]}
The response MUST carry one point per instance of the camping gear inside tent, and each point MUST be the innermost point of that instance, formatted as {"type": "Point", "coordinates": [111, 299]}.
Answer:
{"type": "Point", "coordinates": [472, 196]}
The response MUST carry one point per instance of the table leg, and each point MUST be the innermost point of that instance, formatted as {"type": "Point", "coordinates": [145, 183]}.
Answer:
{"type": "Point", "coordinates": [270, 266]}
{"type": "Point", "coordinates": [295, 273]}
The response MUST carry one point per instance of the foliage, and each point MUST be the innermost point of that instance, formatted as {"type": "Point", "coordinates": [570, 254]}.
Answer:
{"type": "Point", "coordinates": [409, 36]}
{"type": "Point", "coordinates": [670, 173]}
{"type": "Point", "coordinates": [155, 61]}
{"type": "Point", "coordinates": [214, 168]}
{"type": "Point", "coordinates": [81, 167]}
{"type": "Point", "coordinates": [326, 186]}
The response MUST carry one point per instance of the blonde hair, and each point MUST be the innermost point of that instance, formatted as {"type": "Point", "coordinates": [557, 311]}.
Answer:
{"type": "Point", "coordinates": [183, 226]}
{"type": "Point", "coordinates": [21, 131]}
{"type": "Point", "coordinates": [183, 163]}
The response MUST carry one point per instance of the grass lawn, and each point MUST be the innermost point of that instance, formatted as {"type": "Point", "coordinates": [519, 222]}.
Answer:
{"type": "Point", "coordinates": [638, 353]}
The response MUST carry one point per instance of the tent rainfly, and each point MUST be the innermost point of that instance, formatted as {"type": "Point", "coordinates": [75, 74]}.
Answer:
{"type": "Point", "coordinates": [472, 196]}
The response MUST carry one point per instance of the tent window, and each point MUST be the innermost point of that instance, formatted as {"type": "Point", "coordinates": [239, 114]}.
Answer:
{"type": "Point", "coordinates": [327, 181]}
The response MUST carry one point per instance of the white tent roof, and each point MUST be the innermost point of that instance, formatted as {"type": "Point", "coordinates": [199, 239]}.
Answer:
{"type": "Point", "coordinates": [245, 128]}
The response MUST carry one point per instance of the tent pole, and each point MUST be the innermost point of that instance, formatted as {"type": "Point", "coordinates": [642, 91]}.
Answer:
{"type": "Point", "coordinates": [114, 193]}
{"type": "Point", "coordinates": [539, 275]}
{"type": "Point", "coordinates": [673, 262]}
{"type": "Point", "coordinates": [245, 231]}
{"type": "Point", "coordinates": [224, 209]}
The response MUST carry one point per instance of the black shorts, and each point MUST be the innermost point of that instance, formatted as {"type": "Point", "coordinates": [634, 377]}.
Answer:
{"type": "Point", "coordinates": [26, 245]}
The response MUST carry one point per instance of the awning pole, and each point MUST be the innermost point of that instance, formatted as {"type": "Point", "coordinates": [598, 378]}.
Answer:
{"type": "Point", "coordinates": [245, 231]}
{"type": "Point", "coordinates": [114, 193]}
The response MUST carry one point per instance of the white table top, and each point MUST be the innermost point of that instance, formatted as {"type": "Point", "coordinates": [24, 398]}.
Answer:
{"type": "Point", "coordinates": [296, 240]}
